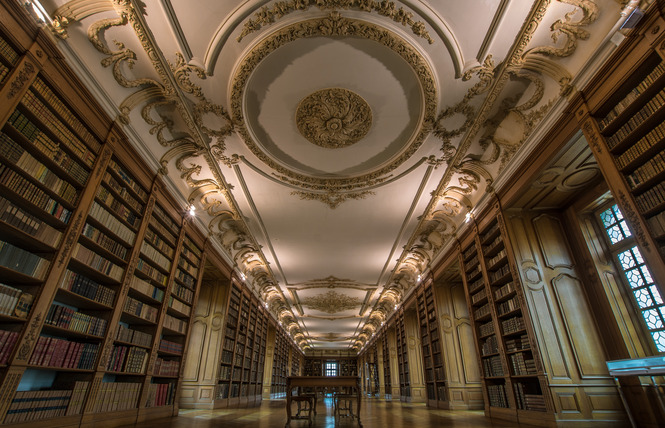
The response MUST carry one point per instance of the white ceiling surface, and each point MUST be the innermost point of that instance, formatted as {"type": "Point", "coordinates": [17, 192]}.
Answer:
{"type": "Point", "coordinates": [360, 244]}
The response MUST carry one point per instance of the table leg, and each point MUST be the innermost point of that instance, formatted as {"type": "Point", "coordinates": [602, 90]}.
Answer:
{"type": "Point", "coordinates": [288, 407]}
{"type": "Point", "coordinates": [358, 398]}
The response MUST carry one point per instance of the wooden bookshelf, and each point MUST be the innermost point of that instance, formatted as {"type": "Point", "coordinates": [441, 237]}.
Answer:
{"type": "Point", "coordinates": [387, 380]}
{"type": "Point", "coordinates": [430, 339]}
{"type": "Point", "coordinates": [240, 379]}
{"type": "Point", "coordinates": [99, 266]}
{"type": "Point", "coordinates": [514, 385]}
{"type": "Point", "coordinates": [402, 356]}
{"type": "Point", "coordinates": [280, 365]}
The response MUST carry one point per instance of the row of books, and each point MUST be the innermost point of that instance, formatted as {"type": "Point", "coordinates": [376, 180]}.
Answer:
{"type": "Point", "coordinates": [651, 168]}
{"type": "Point", "coordinates": [42, 404]}
{"type": "Point", "coordinates": [7, 342]}
{"type": "Point", "coordinates": [649, 109]}
{"type": "Point", "coordinates": [23, 160]}
{"type": "Point", "coordinates": [186, 279]}
{"type": "Point", "coordinates": [86, 287]}
{"type": "Point", "coordinates": [652, 198]}
{"type": "Point", "coordinates": [175, 324]}
{"type": "Point", "coordinates": [7, 52]}
{"type": "Point", "coordinates": [166, 367]}
{"type": "Point", "coordinates": [482, 311]}
{"type": "Point", "coordinates": [472, 265]}
{"type": "Point", "coordinates": [504, 290]}
{"type": "Point", "coordinates": [146, 288]}
{"type": "Point", "coordinates": [128, 359]}
{"type": "Point", "coordinates": [189, 244]}
{"type": "Point", "coordinates": [97, 262]}
{"type": "Point", "coordinates": [22, 220]}
{"type": "Point", "coordinates": [15, 302]}
{"type": "Point", "coordinates": [528, 401]}
{"type": "Point", "coordinates": [190, 255]}
{"type": "Point", "coordinates": [497, 395]}
{"type": "Point", "coordinates": [156, 241]}
{"type": "Point", "coordinates": [152, 272]}
{"type": "Point", "coordinates": [128, 335]}
{"type": "Point", "coordinates": [522, 365]}
{"type": "Point", "coordinates": [513, 325]}
{"type": "Point", "coordinates": [188, 267]}
{"type": "Point", "coordinates": [4, 72]}
{"type": "Point", "coordinates": [20, 260]}
{"type": "Point", "coordinates": [69, 319]}
{"type": "Point", "coordinates": [468, 253]}
{"type": "Point", "coordinates": [120, 171]}
{"type": "Point", "coordinates": [140, 309]}
{"type": "Point", "coordinates": [518, 344]}
{"type": "Point", "coordinates": [54, 125]}
{"type": "Point", "coordinates": [499, 273]}
{"type": "Point", "coordinates": [169, 346]}
{"type": "Point", "coordinates": [116, 396]}
{"type": "Point", "coordinates": [99, 213]}
{"type": "Point", "coordinates": [508, 306]}
{"type": "Point", "coordinates": [164, 218]}
{"type": "Point", "coordinates": [33, 194]}
{"type": "Point", "coordinates": [479, 296]}
{"type": "Point", "coordinates": [179, 306]}
{"type": "Point", "coordinates": [156, 256]}
{"type": "Point", "coordinates": [486, 329]}
{"type": "Point", "coordinates": [161, 394]}
{"type": "Point", "coordinates": [495, 243]}
{"type": "Point", "coordinates": [489, 346]}
{"type": "Point", "coordinates": [122, 191]}
{"type": "Point", "coordinates": [100, 238]}
{"type": "Point", "coordinates": [54, 352]}
{"type": "Point", "coordinates": [45, 92]}
{"type": "Point", "coordinates": [492, 366]}
{"type": "Point", "coordinates": [118, 207]}
{"type": "Point", "coordinates": [477, 284]}
{"type": "Point", "coordinates": [657, 223]}
{"type": "Point", "coordinates": [53, 151]}
{"type": "Point", "coordinates": [632, 95]}
{"type": "Point", "coordinates": [489, 232]}
{"type": "Point", "coordinates": [56, 104]}
{"type": "Point", "coordinates": [654, 137]}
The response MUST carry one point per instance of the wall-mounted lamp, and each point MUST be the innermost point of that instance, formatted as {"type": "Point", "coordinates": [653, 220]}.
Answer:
{"type": "Point", "coordinates": [192, 210]}
{"type": "Point", "coordinates": [467, 218]}
{"type": "Point", "coordinates": [420, 278]}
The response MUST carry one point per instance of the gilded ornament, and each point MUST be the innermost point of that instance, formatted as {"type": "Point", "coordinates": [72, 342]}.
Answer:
{"type": "Point", "coordinates": [331, 302]}
{"type": "Point", "coordinates": [333, 118]}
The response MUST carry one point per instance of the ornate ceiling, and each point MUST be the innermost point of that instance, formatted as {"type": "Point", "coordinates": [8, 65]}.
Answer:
{"type": "Point", "coordinates": [332, 148]}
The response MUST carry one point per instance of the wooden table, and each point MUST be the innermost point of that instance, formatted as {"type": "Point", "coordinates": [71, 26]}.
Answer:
{"type": "Point", "coordinates": [319, 382]}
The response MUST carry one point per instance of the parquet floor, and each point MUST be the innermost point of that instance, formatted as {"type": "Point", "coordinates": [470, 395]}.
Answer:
{"type": "Point", "coordinates": [374, 414]}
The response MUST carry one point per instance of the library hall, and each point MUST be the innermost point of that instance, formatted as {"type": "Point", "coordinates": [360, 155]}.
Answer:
{"type": "Point", "coordinates": [332, 213]}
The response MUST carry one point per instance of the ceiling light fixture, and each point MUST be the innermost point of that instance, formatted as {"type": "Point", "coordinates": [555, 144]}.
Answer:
{"type": "Point", "coordinates": [192, 210]}
{"type": "Point", "coordinates": [467, 217]}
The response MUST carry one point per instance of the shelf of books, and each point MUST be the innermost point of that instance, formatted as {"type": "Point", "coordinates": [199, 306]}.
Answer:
{"type": "Point", "coordinates": [296, 361]}
{"type": "Point", "coordinates": [240, 379]}
{"type": "Point", "coordinates": [514, 384]}
{"type": "Point", "coordinates": [387, 384]}
{"type": "Point", "coordinates": [280, 365]}
{"type": "Point", "coordinates": [430, 338]}
{"type": "Point", "coordinates": [627, 131]}
{"type": "Point", "coordinates": [313, 367]}
{"type": "Point", "coordinates": [402, 357]}
{"type": "Point", "coordinates": [50, 333]}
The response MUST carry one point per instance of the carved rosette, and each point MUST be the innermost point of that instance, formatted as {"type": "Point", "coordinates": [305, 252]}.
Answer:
{"type": "Point", "coordinates": [333, 118]}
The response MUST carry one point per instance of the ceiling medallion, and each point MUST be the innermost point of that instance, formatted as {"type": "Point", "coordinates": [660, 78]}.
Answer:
{"type": "Point", "coordinates": [331, 302]}
{"type": "Point", "coordinates": [333, 118]}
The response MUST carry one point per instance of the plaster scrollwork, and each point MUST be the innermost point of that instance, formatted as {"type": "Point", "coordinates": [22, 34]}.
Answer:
{"type": "Point", "coordinates": [332, 199]}
{"type": "Point", "coordinates": [331, 302]}
{"type": "Point", "coordinates": [268, 15]}
{"type": "Point", "coordinates": [569, 29]}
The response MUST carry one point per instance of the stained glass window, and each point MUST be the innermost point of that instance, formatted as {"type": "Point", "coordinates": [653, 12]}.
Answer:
{"type": "Point", "coordinates": [637, 274]}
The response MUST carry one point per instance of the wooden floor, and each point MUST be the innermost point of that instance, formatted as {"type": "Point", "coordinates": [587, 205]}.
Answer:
{"type": "Point", "coordinates": [374, 414]}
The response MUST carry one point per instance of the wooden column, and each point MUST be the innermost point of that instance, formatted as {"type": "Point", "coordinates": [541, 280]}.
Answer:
{"type": "Point", "coordinates": [416, 372]}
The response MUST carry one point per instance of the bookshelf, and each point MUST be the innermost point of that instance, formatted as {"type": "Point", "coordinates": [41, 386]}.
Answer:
{"type": "Point", "coordinates": [240, 379]}
{"type": "Point", "coordinates": [313, 367]}
{"type": "Point", "coordinates": [402, 357]}
{"type": "Point", "coordinates": [430, 339]}
{"type": "Point", "coordinates": [99, 268]}
{"type": "Point", "coordinates": [626, 130]}
{"type": "Point", "coordinates": [387, 384]}
{"type": "Point", "coordinates": [514, 384]}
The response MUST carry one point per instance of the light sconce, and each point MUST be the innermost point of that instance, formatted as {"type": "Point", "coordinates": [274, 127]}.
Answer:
{"type": "Point", "coordinates": [192, 210]}
{"type": "Point", "coordinates": [420, 278]}
{"type": "Point", "coordinates": [467, 218]}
